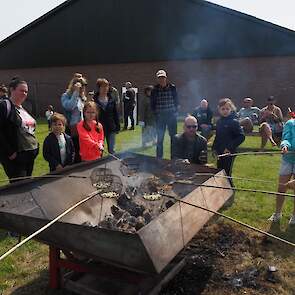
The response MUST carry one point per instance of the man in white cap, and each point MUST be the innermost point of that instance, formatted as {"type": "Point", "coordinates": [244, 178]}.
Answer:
{"type": "Point", "coordinates": [129, 104]}
{"type": "Point", "coordinates": [164, 103]}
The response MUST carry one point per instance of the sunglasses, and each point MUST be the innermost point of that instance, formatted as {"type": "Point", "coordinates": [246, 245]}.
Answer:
{"type": "Point", "coordinates": [191, 126]}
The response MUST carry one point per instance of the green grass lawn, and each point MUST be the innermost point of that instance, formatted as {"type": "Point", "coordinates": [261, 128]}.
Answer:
{"type": "Point", "coordinates": [31, 261]}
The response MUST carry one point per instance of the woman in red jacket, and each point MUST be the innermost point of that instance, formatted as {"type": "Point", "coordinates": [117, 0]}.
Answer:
{"type": "Point", "coordinates": [91, 135]}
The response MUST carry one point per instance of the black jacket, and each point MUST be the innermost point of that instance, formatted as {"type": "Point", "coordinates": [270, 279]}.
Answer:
{"type": "Point", "coordinates": [181, 148]}
{"type": "Point", "coordinates": [129, 99]}
{"type": "Point", "coordinates": [9, 124]}
{"type": "Point", "coordinates": [229, 134]}
{"type": "Point", "coordinates": [203, 116]}
{"type": "Point", "coordinates": [108, 116]}
{"type": "Point", "coordinates": [51, 152]}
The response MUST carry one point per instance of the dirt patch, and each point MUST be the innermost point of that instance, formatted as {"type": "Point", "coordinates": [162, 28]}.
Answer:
{"type": "Point", "coordinates": [223, 259]}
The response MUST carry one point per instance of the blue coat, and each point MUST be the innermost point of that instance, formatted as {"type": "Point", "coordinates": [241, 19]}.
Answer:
{"type": "Point", "coordinates": [229, 135]}
{"type": "Point", "coordinates": [288, 140]}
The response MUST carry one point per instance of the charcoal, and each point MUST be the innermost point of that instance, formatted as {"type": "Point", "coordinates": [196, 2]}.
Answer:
{"type": "Point", "coordinates": [117, 212]}
{"type": "Point", "coordinates": [147, 216]}
{"type": "Point", "coordinates": [135, 210]}
{"type": "Point", "coordinates": [123, 201]}
{"type": "Point", "coordinates": [140, 222]}
{"type": "Point", "coordinates": [132, 221]}
{"type": "Point", "coordinates": [169, 203]}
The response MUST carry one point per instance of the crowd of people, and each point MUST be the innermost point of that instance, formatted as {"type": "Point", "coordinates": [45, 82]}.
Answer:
{"type": "Point", "coordinates": [91, 119]}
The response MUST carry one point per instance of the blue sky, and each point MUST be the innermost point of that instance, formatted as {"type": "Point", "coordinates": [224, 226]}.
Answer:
{"type": "Point", "coordinates": [16, 14]}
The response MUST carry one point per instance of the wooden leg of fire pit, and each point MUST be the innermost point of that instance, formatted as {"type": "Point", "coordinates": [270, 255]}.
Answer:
{"type": "Point", "coordinates": [54, 270]}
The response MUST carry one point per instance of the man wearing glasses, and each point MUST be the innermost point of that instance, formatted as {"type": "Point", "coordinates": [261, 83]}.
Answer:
{"type": "Point", "coordinates": [190, 147]}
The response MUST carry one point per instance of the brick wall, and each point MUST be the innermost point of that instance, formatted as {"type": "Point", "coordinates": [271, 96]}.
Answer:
{"type": "Point", "coordinates": [213, 79]}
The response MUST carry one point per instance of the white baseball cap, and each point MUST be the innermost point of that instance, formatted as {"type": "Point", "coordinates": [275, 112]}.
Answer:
{"type": "Point", "coordinates": [161, 73]}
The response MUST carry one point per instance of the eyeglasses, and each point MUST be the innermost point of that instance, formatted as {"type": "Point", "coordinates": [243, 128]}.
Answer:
{"type": "Point", "coordinates": [191, 126]}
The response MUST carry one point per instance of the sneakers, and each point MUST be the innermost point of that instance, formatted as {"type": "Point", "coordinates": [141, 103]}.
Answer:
{"type": "Point", "coordinates": [292, 220]}
{"type": "Point", "coordinates": [276, 217]}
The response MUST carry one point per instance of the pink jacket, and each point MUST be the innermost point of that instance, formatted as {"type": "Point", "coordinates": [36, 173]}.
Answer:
{"type": "Point", "coordinates": [91, 142]}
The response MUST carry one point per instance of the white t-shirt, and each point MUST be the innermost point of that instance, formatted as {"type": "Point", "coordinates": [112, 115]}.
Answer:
{"type": "Point", "coordinates": [48, 115]}
{"type": "Point", "coordinates": [62, 147]}
{"type": "Point", "coordinates": [28, 122]}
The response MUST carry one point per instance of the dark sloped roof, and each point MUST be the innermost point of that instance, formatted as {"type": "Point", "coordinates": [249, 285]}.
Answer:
{"type": "Point", "coordinates": [80, 32]}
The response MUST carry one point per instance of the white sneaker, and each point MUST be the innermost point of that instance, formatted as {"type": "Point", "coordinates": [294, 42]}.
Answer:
{"type": "Point", "coordinates": [275, 217]}
{"type": "Point", "coordinates": [292, 220]}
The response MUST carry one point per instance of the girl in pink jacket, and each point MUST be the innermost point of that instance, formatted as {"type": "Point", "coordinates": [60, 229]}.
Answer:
{"type": "Point", "coordinates": [91, 135]}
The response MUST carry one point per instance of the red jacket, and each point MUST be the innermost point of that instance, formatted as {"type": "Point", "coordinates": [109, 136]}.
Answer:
{"type": "Point", "coordinates": [91, 142]}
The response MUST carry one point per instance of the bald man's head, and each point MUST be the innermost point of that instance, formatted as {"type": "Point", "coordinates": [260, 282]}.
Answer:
{"type": "Point", "coordinates": [190, 125]}
{"type": "Point", "coordinates": [204, 104]}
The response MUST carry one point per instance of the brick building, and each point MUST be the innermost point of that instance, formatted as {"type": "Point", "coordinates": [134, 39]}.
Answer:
{"type": "Point", "coordinates": [209, 51]}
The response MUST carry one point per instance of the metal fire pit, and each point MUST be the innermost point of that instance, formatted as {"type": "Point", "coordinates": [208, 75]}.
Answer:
{"type": "Point", "coordinates": [27, 206]}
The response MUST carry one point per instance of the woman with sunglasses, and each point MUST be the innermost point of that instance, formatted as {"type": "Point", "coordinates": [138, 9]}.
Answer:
{"type": "Point", "coordinates": [189, 146]}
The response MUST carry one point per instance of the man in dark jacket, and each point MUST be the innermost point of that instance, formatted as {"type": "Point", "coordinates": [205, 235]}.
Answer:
{"type": "Point", "coordinates": [129, 104]}
{"type": "Point", "coordinates": [204, 116]}
{"type": "Point", "coordinates": [164, 104]}
{"type": "Point", "coordinates": [189, 146]}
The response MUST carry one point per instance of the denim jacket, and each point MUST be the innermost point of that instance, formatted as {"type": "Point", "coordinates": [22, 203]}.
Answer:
{"type": "Point", "coordinates": [73, 106]}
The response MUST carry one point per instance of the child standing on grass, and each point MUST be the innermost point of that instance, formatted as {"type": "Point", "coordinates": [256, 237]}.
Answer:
{"type": "Point", "coordinates": [48, 115]}
{"type": "Point", "coordinates": [287, 170]}
{"type": "Point", "coordinates": [58, 148]}
{"type": "Point", "coordinates": [229, 134]}
{"type": "Point", "coordinates": [91, 135]}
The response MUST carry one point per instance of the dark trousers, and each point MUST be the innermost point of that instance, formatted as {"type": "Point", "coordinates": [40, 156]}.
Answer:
{"type": "Point", "coordinates": [226, 163]}
{"type": "Point", "coordinates": [21, 166]}
{"type": "Point", "coordinates": [164, 120]}
{"type": "Point", "coordinates": [128, 113]}
{"type": "Point", "coordinates": [75, 140]}
{"type": "Point", "coordinates": [111, 140]}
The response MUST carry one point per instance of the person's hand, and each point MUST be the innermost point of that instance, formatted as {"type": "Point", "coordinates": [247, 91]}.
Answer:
{"type": "Point", "coordinates": [59, 167]}
{"type": "Point", "coordinates": [290, 184]}
{"type": "Point", "coordinates": [13, 156]}
{"type": "Point", "coordinates": [226, 151]}
{"type": "Point", "coordinates": [203, 157]}
{"type": "Point", "coordinates": [101, 147]}
{"type": "Point", "coordinates": [182, 161]}
{"type": "Point", "coordinates": [77, 86]}
{"type": "Point", "coordinates": [284, 150]}
{"type": "Point", "coordinates": [204, 126]}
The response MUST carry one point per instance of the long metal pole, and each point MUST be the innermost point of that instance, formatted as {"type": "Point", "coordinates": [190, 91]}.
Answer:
{"type": "Point", "coordinates": [87, 198]}
{"type": "Point", "coordinates": [236, 189]}
{"type": "Point", "coordinates": [42, 176]}
{"type": "Point", "coordinates": [231, 219]}
{"type": "Point", "coordinates": [253, 154]}
{"type": "Point", "coordinates": [238, 178]}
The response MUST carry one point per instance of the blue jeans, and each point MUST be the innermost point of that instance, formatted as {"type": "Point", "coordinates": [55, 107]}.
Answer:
{"type": "Point", "coordinates": [111, 139]}
{"type": "Point", "coordinates": [163, 120]}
